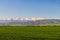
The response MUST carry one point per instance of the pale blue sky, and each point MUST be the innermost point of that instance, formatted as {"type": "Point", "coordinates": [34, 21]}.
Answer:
{"type": "Point", "coordinates": [30, 8]}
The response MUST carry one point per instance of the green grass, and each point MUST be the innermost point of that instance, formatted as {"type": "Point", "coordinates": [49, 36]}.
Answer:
{"type": "Point", "coordinates": [29, 33]}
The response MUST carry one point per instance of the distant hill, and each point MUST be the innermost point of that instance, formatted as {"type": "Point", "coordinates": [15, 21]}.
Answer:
{"type": "Point", "coordinates": [30, 22]}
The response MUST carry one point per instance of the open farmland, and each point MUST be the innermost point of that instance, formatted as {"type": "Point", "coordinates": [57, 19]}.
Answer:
{"type": "Point", "coordinates": [29, 32]}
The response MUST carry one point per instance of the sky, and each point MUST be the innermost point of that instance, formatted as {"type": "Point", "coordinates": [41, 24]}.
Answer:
{"type": "Point", "coordinates": [30, 8]}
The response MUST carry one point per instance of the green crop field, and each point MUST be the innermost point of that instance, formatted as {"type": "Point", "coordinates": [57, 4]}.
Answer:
{"type": "Point", "coordinates": [29, 33]}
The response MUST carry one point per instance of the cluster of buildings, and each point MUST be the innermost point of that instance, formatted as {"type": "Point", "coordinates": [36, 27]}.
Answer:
{"type": "Point", "coordinates": [21, 18]}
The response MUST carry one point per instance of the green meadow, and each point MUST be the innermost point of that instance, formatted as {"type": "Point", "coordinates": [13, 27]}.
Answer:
{"type": "Point", "coordinates": [29, 32]}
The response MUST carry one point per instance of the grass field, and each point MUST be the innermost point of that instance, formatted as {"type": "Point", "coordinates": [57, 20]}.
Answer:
{"type": "Point", "coordinates": [29, 33]}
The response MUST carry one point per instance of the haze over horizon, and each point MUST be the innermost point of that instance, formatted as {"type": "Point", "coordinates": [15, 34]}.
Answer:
{"type": "Point", "coordinates": [30, 8]}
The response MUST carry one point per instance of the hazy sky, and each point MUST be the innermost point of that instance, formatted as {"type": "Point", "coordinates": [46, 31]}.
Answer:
{"type": "Point", "coordinates": [30, 8]}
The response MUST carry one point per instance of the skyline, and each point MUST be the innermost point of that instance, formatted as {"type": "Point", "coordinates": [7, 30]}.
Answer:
{"type": "Point", "coordinates": [21, 18]}
{"type": "Point", "coordinates": [30, 8]}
